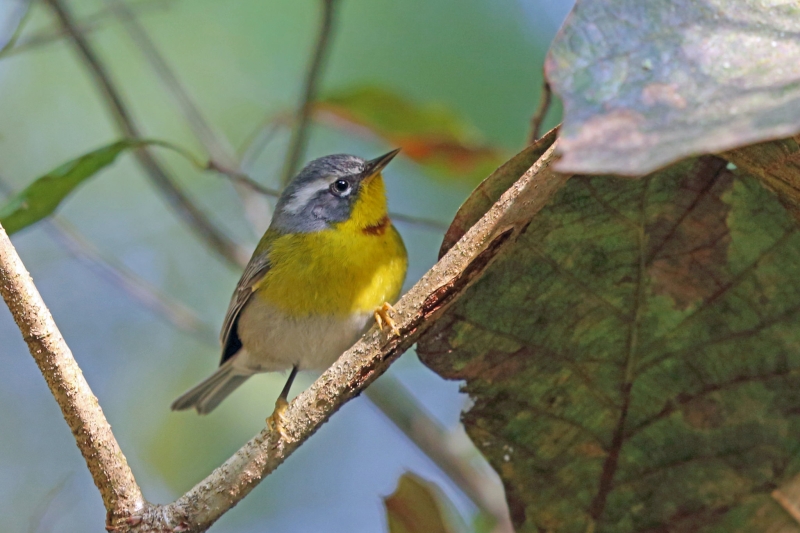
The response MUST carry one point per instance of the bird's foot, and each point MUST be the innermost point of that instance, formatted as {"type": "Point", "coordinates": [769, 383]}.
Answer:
{"type": "Point", "coordinates": [278, 417]}
{"type": "Point", "coordinates": [384, 320]}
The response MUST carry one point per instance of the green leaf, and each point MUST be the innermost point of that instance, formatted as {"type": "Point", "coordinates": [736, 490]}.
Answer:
{"type": "Point", "coordinates": [41, 198]}
{"type": "Point", "coordinates": [633, 357]}
{"type": "Point", "coordinates": [416, 506]}
{"type": "Point", "coordinates": [645, 84]}
{"type": "Point", "coordinates": [429, 134]}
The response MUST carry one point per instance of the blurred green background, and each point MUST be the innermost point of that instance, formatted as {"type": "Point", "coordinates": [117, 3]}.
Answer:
{"type": "Point", "coordinates": [242, 62]}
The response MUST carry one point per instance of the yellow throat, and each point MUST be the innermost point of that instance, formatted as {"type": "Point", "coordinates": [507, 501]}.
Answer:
{"type": "Point", "coordinates": [351, 268]}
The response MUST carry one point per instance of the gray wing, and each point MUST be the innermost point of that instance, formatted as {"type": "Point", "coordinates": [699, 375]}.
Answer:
{"type": "Point", "coordinates": [253, 273]}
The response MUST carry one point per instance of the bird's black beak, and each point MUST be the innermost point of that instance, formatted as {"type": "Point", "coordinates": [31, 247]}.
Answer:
{"type": "Point", "coordinates": [374, 166]}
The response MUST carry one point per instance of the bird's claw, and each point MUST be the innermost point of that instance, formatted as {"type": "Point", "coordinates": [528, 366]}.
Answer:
{"type": "Point", "coordinates": [278, 417]}
{"type": "Point", "coordinates": [383, 319]}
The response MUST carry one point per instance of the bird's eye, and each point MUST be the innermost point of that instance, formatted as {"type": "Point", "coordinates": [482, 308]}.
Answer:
{"type": "Point", "coordinates": [340, 187]}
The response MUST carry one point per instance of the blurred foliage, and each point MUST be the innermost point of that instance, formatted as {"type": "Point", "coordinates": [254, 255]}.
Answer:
{"type": "Point", "coordinates": [12, 15]}
{"type": "Point", "coordinates": [633, 359]}
{"type": "Point", "coordinates": [239, 62]}
{"type": "Point", "coordinates": [416, 506]}
{"type": "Point", "coordinates": [431, 134]}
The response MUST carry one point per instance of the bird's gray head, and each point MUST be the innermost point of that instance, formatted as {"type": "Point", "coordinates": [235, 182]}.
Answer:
{"type": "Point", "coordinates": [324, 192]}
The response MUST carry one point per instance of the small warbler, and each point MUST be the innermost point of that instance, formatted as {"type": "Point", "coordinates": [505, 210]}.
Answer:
{"type": "Point", "coordinates": [329, 262]}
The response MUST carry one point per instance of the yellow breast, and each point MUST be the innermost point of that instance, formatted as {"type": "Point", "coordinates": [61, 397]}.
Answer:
{"type": "Point", "coordinates": [334, 272]}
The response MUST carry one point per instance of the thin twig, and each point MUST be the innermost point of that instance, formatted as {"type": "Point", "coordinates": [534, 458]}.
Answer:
{"type": "Point", "coordinates": [258, 139]}
{"type": "Point", "coordinates": [109, 268]}
{"type": "Point", "coordinates": [214, 145]}
{"type": "Point", "coordinates": [537, 119]}
{"type": "Point", "coordinates": [199, 508]}
{"type": "Point", "coordinates": [38, 516]}
{"type": "Point", "coordinates": [108, 466]}
{"type": "Point", "coordinates": [352, 373]}
{"type": "Point", "coordinates": [179, 315]}
{"type": "Point", "coordinates": [178, 200]}
{"type": "Point", "coordinates": [297, 144]}
{"type": "Point", "coordinates": [240, 178]}
{"type": "Point", "coordinates": [18, 23]}
{"type": "Point", "coordinates": [425, 223]}
{"type": "Point", "coordinates": [219, 151]}
{"type": "Point", "coordinates": [86, 25]}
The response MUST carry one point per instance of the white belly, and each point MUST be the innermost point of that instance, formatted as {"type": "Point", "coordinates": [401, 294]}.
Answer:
{"type": "Point", "coordinates": [273, 342]}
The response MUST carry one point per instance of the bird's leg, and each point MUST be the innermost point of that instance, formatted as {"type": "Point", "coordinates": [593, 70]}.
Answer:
{"type": "Point", "coordinates": [278, 416]}
{"type": "Point", "coordinates": [383, 318]}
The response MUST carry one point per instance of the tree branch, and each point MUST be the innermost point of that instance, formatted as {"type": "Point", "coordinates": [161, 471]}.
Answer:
{"type": "Point", "coordinates": [481, 485]}
{"type": "Point", "coordinates": [204, 504]}
{"type": "Point", "coordinates": [297, 144]}
{"type": "Point", "coordinates": [176, 198]}
{"type": "Point", "coordinates": [199, 508]}
{"type": "Point", "coordinates": [108, 466]}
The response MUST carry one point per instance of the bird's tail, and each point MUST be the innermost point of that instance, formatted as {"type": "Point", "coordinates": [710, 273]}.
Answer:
{"type": "Point", "coordinates": [208, 394]}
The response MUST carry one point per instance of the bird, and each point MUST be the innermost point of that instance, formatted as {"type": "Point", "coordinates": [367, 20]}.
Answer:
{"type": "Point", "coordinates": [328, 266]}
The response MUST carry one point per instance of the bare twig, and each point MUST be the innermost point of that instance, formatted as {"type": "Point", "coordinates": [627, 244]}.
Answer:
{"type": "Point", "coordinates": [297, 144]}
{"type": "Point", "coordinates": [109, 268]}
{"type": "Point", "coordinates": [368, 359]}
{"type": "Point", "coordinates": [537, 119]}
{"type": "Point", "coordinates": [259, 138]}
{"type": "Point", "coordinates": [16, 22]}
{"type": "Point", "coordinates": [214, 145]}
{"type": "Point", "coordinates": [108, 466]}
{"type": "Point", "coordinates": [240, 178]}
{"type": "Point", "coordinates": [220, 152]}
{"type": "Point", "coordinates": [91, 23]}
{"type": "Point", "coordinates": [194, 218]}
{"type": "Point", "coordinates": [352, 373]}
{"type": "Point", "coordinates": [38, 516]}
{"type": "Point", "coordinates": [426, 223]}
{"type": "Point", "coordinates": [178, 314]}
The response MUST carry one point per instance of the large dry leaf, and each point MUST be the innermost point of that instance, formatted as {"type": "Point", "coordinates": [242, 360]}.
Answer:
{"type": "Point", "coordinates": [648, 83]}
{"type": "Point", "coordinates": [635, 358]}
